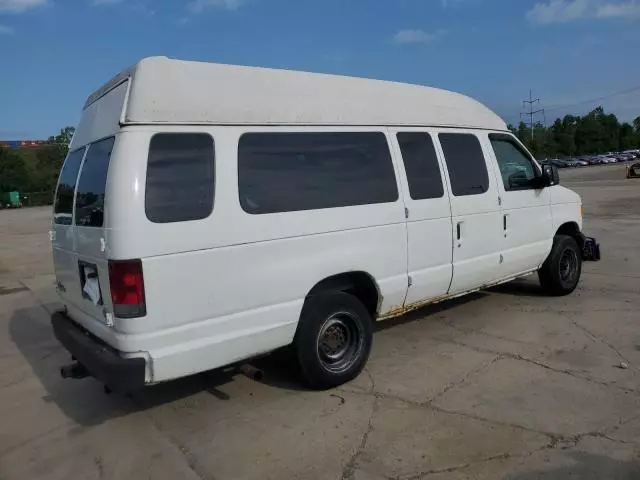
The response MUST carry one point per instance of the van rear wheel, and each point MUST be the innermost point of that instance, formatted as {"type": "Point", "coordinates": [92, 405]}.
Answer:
{"type": "Point", "coordinates": [560, 273]}
{"type": "Point", "coordinates": [333, 340]}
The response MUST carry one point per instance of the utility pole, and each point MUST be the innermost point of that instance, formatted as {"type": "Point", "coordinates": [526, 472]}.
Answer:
{"type": "Point", "coordinates": [531, 111]}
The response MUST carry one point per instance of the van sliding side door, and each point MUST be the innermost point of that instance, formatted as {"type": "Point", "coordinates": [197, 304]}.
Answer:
{"type": "Point", "coordinates": [428, 214]}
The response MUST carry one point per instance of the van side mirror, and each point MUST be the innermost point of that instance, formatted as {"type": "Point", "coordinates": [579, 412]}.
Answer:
{"type": "Point", "coordinates": [550, 176]}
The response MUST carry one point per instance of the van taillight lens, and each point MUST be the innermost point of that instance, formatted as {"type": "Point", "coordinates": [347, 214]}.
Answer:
{"type": "Point", "coordinates": [127, 288]}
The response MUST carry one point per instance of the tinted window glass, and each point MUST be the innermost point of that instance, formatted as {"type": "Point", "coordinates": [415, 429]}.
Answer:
{"type": "Point", "coordinates": [421, 165]}
{"type": "Point", "coordinates": [92, 184]}
{"type": "Point", "coordinates": [180, 177]}
{"type": "Point", "coordinates": [465, 163]}
{"type": "Point", "coordinates": [280, 172]}
{"type": "Point", "coordinates": [63, 206]}
{"type": "Point", "coordinates": [516, 168]}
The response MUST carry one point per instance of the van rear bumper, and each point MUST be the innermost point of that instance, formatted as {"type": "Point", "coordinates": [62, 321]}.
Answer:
{"type": "Point", "coordinates": [102, 361]}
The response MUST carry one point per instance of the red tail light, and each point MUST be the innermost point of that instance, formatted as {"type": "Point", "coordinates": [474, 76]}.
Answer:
{"type": "Point", "coordinates": [127, 288]}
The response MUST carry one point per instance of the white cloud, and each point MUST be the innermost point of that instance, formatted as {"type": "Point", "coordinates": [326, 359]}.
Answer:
{"type": "Point", "coordinates": [19, 6]}
{"type": "Point", "coordinates": [408, 36]}
{"type": "Point", "coordinates": [137, 7]}
{"type": "Point", "coordinates": [625, 9]}
{"type": "Point", "coordinates": [562, 11]}
{"type": "Point", "coordinates": [143, 9]}
{"type": "Point", "coordinates": [558, 11]}
{"type": "Point", "coordinates": [197, 6]}
{"type": "Point", "coordinates": [6, 30]}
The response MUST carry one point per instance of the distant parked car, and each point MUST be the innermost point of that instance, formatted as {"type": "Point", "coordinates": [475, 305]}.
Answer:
{"type": "Point", "coordinates": [559, 163]}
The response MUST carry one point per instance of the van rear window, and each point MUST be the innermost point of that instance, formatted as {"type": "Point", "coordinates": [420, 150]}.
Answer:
{"type": "Point", "coordinates": [92, 184]}
{"type": "Point", "coordinates": [63, 204]}
{"type": "Point", "coordinates": [180, 177]}
{"type": "Point", "coordinates": [284, 172]}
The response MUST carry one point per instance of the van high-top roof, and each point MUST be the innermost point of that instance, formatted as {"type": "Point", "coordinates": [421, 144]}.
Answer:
{"type": "Point", "coordinates": [169, 91]}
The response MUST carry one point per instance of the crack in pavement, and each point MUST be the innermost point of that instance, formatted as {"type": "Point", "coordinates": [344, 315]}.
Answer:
{"type": "Point", "coordinates": [538, 363]}
{"type": "Point", "coordinates": [437, 471]}
{"type": "Point", "coordinates": [571, 374]}
{"type": "Point", "coordinates": [189, 458]}
{"type": "Point", "coordinates": [499, 423]}
{"type": "Point", "coordinates": [349, 470]}
{"type": "Point", "coordinates": [556, 441]}
{"type": "Point", "coordinates": [461, 329]}
{"type": "Point", "coordinates": [464, 377]}
{"type": "Point", "coordinates": [600, 339]}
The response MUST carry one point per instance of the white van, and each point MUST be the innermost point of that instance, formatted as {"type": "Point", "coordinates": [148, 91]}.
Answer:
{"type": "Point", "coordinates": [207, 214]}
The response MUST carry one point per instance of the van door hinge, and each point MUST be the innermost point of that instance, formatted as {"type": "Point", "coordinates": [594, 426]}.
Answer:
{"type": "Point", "coordinates": [406, 212]}
{"type": "Point", "coordinates": [410, 282]}
{"type": "Point", "coordinates": [499, 200]}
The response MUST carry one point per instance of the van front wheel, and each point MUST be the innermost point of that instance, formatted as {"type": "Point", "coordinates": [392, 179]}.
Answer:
{"type": "Point", "coordinates": [560, 273]}
{"type": "Point", "coordinates": [333, 340]}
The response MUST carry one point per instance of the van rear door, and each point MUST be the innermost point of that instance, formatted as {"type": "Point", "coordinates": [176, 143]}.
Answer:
{"type": "Point", "coordinates": [62, 230]}
{"type": "Point", "coordinates": [79, 239]}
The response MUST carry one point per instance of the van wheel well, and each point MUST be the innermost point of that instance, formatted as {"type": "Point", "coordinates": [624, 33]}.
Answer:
{"type": "Point", "coordinates": [572, 230]}
{"type": "Point", "coordinates": [359, 284]}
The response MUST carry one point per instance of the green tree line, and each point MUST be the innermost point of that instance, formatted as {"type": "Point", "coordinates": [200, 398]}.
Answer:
{"type": "Point", "coordinates": [35, 169]}
{"type": "Point", "coordinates": [595, 133]}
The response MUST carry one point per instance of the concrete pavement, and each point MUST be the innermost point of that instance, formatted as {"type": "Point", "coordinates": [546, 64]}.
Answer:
{"type": "Point", "coordinates": [502, 384]}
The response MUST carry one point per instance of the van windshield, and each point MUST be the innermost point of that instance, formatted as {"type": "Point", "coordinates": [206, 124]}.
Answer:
{"type": "Point", "coordinates": [63, 205]}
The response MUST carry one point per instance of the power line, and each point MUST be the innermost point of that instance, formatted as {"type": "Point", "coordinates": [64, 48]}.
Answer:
{"type": "Point", "coordinates": [570, 105]}
{"type": "Point", "coordinates": [597, 99]}
{"type": "Point", "coordinates": [531, 111]}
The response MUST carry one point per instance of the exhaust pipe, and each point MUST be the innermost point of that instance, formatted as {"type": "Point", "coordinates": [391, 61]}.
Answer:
{"type": "Point", "coordinates": [75, 370]}
{"type": "Point", "coordinates": [251, 372]}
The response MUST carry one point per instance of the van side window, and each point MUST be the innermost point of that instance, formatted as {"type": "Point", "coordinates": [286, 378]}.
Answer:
{"type": "Point", "coordinates": [516, 167]}
{"type": "Point", "coordinates": [465, 163]}
{"type": "Point", "coordinates": [284, 172]}
{"type": "Point", "coordinates": [180, 177]}
{"type": "Point", "coordinates": [92, 184]}
{"type": "Point", "coordinates": [421, 165]}
{"type": "Point", "coordinates": [63, 204]}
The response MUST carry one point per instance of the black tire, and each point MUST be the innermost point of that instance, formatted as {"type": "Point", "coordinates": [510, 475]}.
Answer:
{"type": "Point", "coordinates": [333, 340]}
{"type": "Point", "coordinates": [560, 273]}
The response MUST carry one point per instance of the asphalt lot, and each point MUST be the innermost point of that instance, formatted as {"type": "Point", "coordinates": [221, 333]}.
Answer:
{"type": "Point", "coordinates": [503, 384]}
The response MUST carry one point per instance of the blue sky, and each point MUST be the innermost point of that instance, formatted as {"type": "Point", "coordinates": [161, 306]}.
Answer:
{"type": "Point", "coordinates": [56, 52]}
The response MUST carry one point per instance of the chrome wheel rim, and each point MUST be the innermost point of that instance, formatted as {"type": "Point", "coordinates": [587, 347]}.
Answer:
{"type": "Point", "coordinates": [340, 342]}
